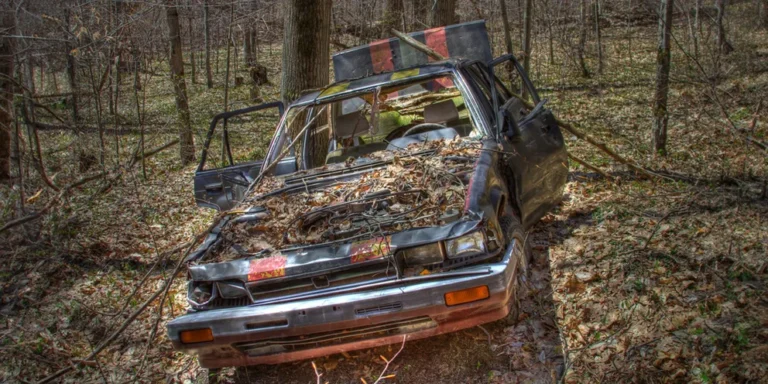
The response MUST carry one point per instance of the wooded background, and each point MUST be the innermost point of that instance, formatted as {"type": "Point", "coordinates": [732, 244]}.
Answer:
{"type": "Point", "coordinates": [104, 105]}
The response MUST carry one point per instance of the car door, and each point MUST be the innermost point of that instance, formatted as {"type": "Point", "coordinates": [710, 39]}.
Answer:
{"type": "Point", "coordinates": [539, 159]}
{"type": "Point", "coordinates": [231, 160]}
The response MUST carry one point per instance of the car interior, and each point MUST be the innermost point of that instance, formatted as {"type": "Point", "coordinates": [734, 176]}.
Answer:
{"type": "Point", "coordinates": [429, 110]}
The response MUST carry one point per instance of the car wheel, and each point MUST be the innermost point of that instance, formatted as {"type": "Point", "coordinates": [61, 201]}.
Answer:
{"type": "Point", "coordinates": [514, 231]}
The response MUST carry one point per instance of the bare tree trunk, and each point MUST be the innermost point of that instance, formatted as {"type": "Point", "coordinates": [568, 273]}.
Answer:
{"type": "Point", "coordinates": [192, 51]}
{"type": "Point", "coordinates": [764, 13]}
{"type": "Point", "coordinates": [507, 35]}
{"type": "Point", "coordinates": [598, 35]}
{"type": "Point", "coordinates": [507, 29]}
{"type": "Point", "coordinates": [697, 16]}
{"type": "Point", "coordinates": [42, 76]}
{"type": "Point", "coordinates": [250, 37]}
{"type": "Point", "coordinates": [7, 27]}
{"type": "Point", "coordinates": [722, 41]}
{"type": "Point", "coordinates": [393, 17]}
{"type": "Point", "coordinates": [233, 41]}
{"type": "Point", "coordinates": [551, 40]}
{"type": "Point", "coordinates": [186, 142]}
{"type": "Point", "coordinates": [218, 36]}
{"type": "Point", "coordinates": [306, 48]}
{"type": "Point", "coordinates": [55, 82]}
{"type": "Point", "coordinates": [442, 13]}
{"type": "Point", "coordinates": [140, 117]}
{"type": "Point", "coordinates": [72, 73]}
{"type": "Point", "coordinates": [527, 17]}
{"type": "Point", "coordinates": [582, 37]}
{"type": "Point", "coordinates": [96, 89]}
{"type": "Point", "coordinates": [117, 105]}
{"type": "Point", "coordinates": [207, 28]}
{"type": "Point", "coordinates": [693, 29]}
{"type": "Point", "coordinates": [420, 11]}
{"type": "Point", "coordinates": [660, 115]}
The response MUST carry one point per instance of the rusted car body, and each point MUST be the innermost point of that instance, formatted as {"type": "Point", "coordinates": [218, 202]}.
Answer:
{"type": "Point", "coordinates": [388, 206]}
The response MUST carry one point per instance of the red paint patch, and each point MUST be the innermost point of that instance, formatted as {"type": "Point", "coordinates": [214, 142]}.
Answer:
{"type": "Point", "coordinates": [267, 268]}
{"type": "Point", "coordinates": [365, 250]}
{"type": "Point", "coordinates": [381, 56]}
{"type": "Point", "coordinates": [435, 39]}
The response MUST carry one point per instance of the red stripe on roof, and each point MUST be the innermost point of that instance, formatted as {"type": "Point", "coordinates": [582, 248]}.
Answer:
{"type": "Point", "coordinates": [436, 40]}
{"type": "Point", "coordinates": [381, 56]}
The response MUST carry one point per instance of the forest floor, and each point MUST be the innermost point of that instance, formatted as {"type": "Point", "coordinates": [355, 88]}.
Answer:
{"type": "Point", "coordinates": [635, 280]}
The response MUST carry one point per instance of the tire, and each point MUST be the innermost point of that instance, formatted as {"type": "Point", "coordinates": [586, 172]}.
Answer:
{"type": "Point", "coordinates": [513, 230]}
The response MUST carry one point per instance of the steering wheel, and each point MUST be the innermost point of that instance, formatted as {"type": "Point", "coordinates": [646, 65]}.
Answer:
{"type": "Point", "coordinates": [423, 127]}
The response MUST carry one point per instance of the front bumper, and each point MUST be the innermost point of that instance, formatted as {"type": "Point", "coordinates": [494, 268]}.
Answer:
{"type": "Point", "coordinates": [303, 329]}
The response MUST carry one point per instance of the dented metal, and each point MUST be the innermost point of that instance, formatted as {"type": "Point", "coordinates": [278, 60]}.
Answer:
{"type": "Point", "coordinates": [333, 276]}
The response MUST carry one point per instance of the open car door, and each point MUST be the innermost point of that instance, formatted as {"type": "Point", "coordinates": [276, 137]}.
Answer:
{"type": "Point", "coordinates": [230, 161]}
{"type": "Point", "coordinates": [540, 160]}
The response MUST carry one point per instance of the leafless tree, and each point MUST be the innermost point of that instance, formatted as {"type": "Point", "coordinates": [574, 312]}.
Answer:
{"type": "Point", "coordinates": [306, 46]}
{"type": "Point", "coordinates": [186, 143]}
{"type": "Point", "coordinates": [660, 114]}
{"type": "Point", "coordinates": [442, 12]}
{"type": "Point", "coordinates": [7, 25]}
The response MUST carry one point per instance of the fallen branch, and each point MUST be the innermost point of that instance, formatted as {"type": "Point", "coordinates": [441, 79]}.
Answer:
{"type": "Point", "coordinates": [590, 166]}
{"type": "Point", "coordinates": [381, 376]}
{"type": "Point", "coordinates": [732, 126]}
{"type": "Point", "coordinates": [137, 156]}
{"type": "Point", "coordinates": [47, 206]}
{"type": "Point", "coordinates": [418, 45]}
{"type": "Point", "coordinates": [135, 313]}
{"type": "Point", "coordinates": [64, 191]}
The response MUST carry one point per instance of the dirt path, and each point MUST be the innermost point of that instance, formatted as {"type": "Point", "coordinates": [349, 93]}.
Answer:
{"type": "Point", "coordinates": [528, 352]}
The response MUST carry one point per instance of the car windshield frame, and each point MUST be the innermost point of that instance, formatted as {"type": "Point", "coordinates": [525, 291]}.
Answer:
{"type": "Point", "coordinates": [338, 92]}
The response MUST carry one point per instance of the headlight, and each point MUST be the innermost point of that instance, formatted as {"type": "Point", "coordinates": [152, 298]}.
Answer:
{"type": "Point", "coordinates": [200, 293]}
{"type": "Point", "coordinates": [467, 245]}
{"type": "Point", "coordinates": [423, 255]}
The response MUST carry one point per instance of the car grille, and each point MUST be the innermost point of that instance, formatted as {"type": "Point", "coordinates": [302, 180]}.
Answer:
{"type": "Point", "coordinates": [295, 286]}
{"type": "Point", "coordinates": [342, 336]}
{"type": "Point", "coordinates": [379, 309]}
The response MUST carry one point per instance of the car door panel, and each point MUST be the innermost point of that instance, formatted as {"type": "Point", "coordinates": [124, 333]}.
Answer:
{"type": "Point", "coordinates": [539, 159]}
{"type": "Point", "coordinates": [222, 188]}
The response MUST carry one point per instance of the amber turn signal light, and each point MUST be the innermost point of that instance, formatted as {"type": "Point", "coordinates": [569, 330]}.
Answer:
{"type": "Point", "coordinates": [196, 336]}
{"type": "Point", "coordinates": [467, 295]}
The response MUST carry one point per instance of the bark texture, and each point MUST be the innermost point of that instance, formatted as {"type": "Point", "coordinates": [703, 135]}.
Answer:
{"type": "Point", "coordinates": [764, 13]}
{"type": "Point", "coordinates": [527, 18]}
{"type": "Point", "coordinates": [660, 115]}
{"type": "Point", "coordinates": [722, 41]}
{"type": "Point", "coordinates": [7, 26]}
{"type": "Point", "coordinates": [207, 33]}
{"type": "Point", "coordinates": [442, 13]}
{"type": "Point", "coordinates": [598, 37]}
{"type": "Point", "coordinates": [393, 17]}
{"type": "Point", "coordinates": [582, 37]}
{"type": "Point", "coordinates": [72, 73]}
{"type": "Point", "coordinates": [249, 40]}
{"type": "Point", "coordinates": [306, 46]}
{"type": "Point", "coordinates": [419, 20]}
{"type": "Point", "coordinates": [187, 145]}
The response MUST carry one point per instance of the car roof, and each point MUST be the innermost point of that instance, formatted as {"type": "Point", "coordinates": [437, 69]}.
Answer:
{"type": "Point", "coordinates": [345, 87]}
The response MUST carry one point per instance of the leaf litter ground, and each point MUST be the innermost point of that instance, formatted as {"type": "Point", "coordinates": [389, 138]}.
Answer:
{"type": "Point", "coordinates": [636, 281]}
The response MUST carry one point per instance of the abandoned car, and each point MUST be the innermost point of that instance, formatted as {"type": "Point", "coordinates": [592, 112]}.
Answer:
{"type": "Point", "coordinates": [391, 204]}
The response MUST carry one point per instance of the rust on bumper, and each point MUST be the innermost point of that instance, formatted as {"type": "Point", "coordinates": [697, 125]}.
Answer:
{"type": "Point", "coordinates": [303, 329]}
